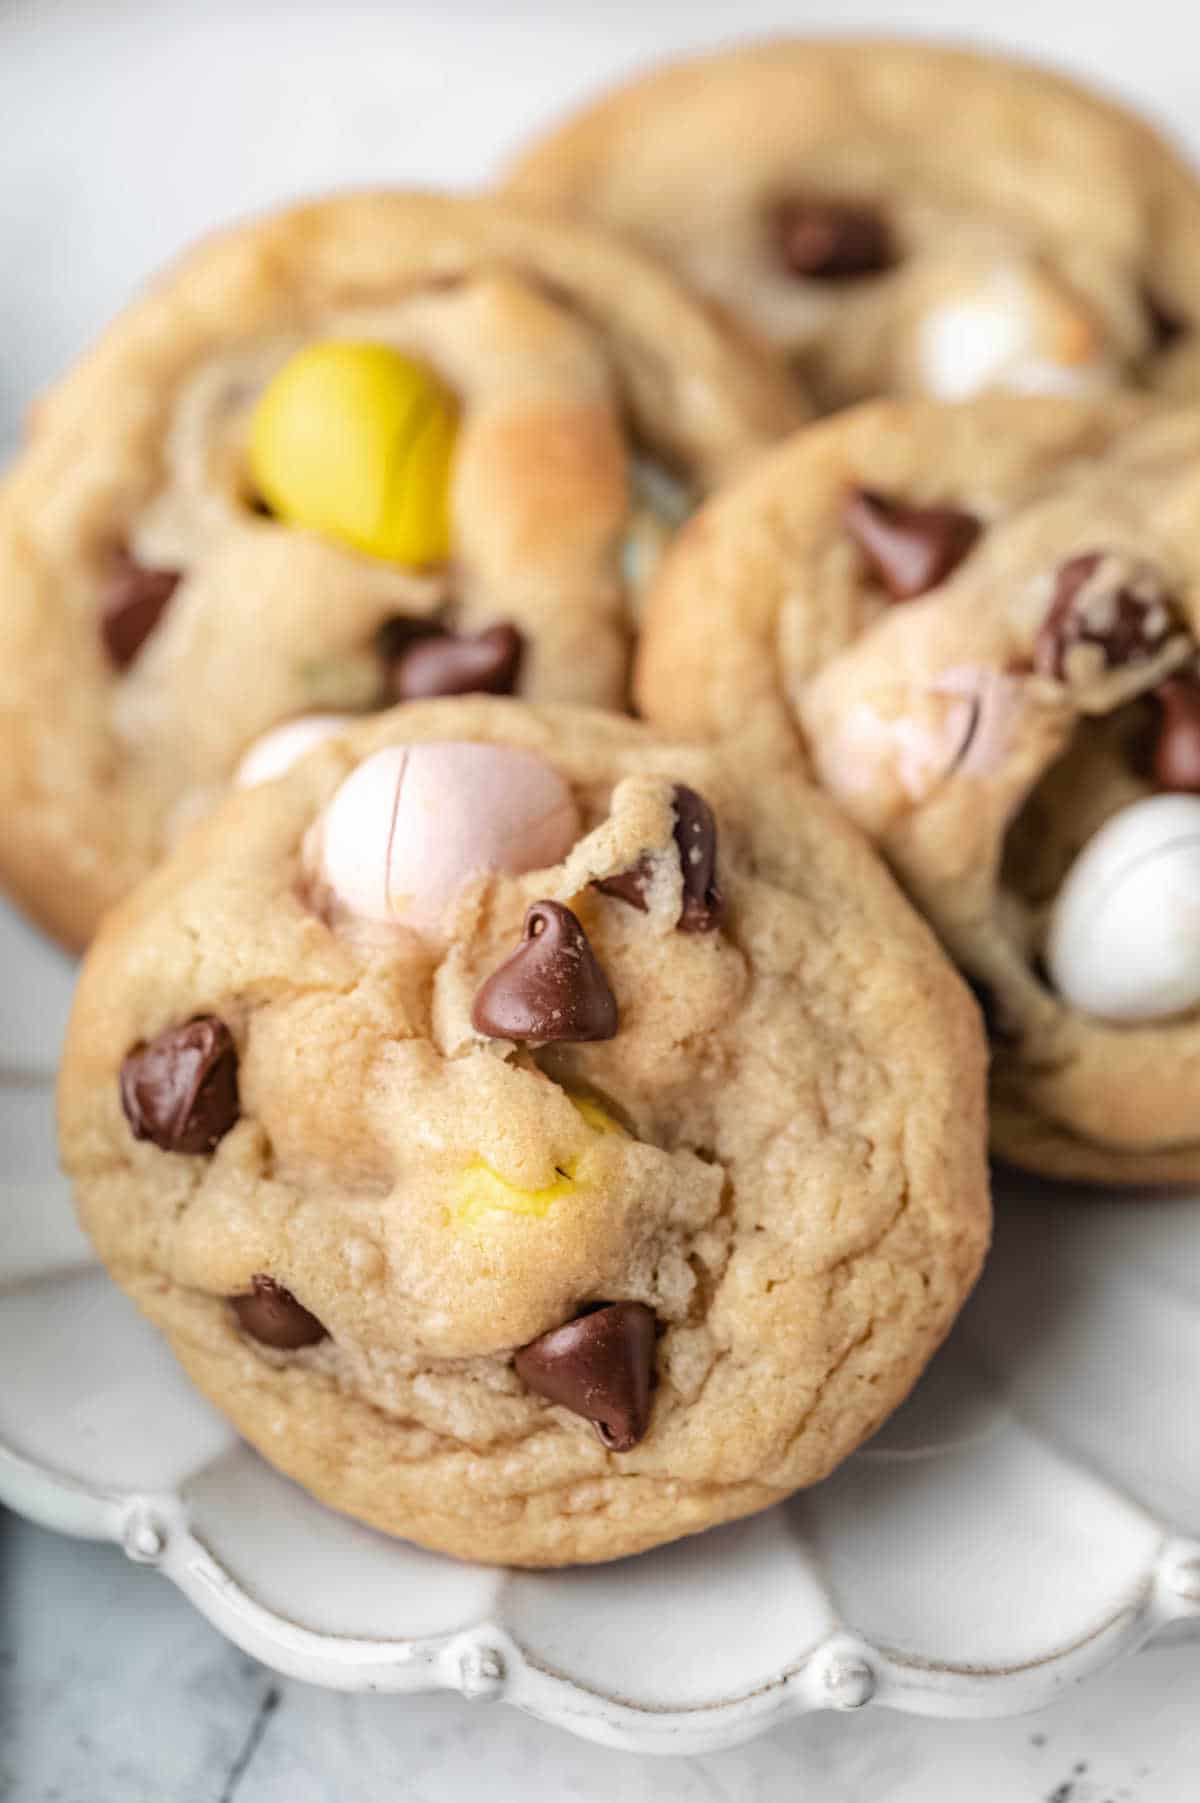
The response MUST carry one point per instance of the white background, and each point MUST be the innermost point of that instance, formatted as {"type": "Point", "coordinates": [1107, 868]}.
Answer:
{"type": "Point", "coordinates": [125, 130]}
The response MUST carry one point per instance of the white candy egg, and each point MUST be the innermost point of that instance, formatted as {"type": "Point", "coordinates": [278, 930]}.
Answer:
{"type": "Point", "coordinates": [414, 822]}
{"type": "Point", "coordinates": [1124, 940]}
{"type": "Point", "coordinates": [278, 750]}
{"type": "Point", "coordinates": [1014, 331]}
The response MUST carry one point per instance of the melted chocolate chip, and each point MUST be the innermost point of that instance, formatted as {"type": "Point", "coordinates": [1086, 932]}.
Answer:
{"type": "Point", "coordinates": [909, 549]}
{"type": "Point", "coordinates": [599, 1366]}
{"type": "Point", "coordinates": [695, 833]}
{"type": "Point", "coordinates": [271, 1314]}
{"type": "Point", "coordinates": [180, 1089]}
{"type": "Point", "coordinates": [1118, 612]}
{"type": "Point", "coordinates": [827, 240]}
{"type": "Point", "coordinates": [696, 837]}
{"type": "Point", "coordinates": [443, 663]}
{"type": "Point", "coordinates": [1175, 759]}
{"type": "Point", "coordinates": [134, 602]}
{"type": "Point", "coordinates": [551, 988]}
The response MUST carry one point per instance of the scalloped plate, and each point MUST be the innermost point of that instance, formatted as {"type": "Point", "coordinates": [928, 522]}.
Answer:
{"type": "Point", "coordinates": [1025, 1519]}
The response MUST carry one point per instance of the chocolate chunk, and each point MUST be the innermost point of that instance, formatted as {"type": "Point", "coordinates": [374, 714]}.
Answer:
{"type": "Point", "coordinates": [695, 833]}
{"type": "Point", "coordinates": [827, 240]}
{"type": "Point", "coordinates": [1175, 760]}
{"type": "Point", "coordinates": [1109, 609]}
{"type": "Point", "coordinates": [599, 1366]}
{"type": "Point", "coordinates": [1166, 326]}
{"type": "Point", "coordinates": [133, 604]}
{"type": "Point", "coordinates": [180, 1089]}
{"type": "Point", "coordinates": [551, 988]}
{"type": "Point", "coordinates": [271, 1314]}
{"type": "Point", "coordinates": [443, 663]}
{"type": "Point", "coordinates": [910, 549]}
{"type": "Point", "coordinates": [696, 837]}
{"type": "Point", "coordinates": [628, 885]}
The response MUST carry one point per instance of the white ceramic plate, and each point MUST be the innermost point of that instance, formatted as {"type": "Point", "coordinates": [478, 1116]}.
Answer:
{"type": "Point", "coordinates": [1023, 1521]}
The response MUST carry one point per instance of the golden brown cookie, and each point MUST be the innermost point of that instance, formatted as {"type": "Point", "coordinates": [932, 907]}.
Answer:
{"type": "Point", "coordinates": [541, 1140]}
{"type": "Point", "coordinates": [982, 623]}
{"type": "Point", "coordinates": [158, 615]}
{"type": "Point", "coordinates": [901, 218]}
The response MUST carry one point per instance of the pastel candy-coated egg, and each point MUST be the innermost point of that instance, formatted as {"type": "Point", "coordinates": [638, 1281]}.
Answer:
{"type": "Point", "coordinates": [277, 750]}
{"type": "Point", "coordinates": [1124, 939]}
{"type": "Point", "coordinates": [408, 828]}
{"type": "Point", "coordinates": [356, 441]}
{"type": "Point", "coordinates": [1017, 331]}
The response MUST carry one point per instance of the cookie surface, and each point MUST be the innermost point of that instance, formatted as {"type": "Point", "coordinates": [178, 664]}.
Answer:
{"type": "Point", "coordinates": [743, 1108]}
{"type": "Point", "coordinates": [981, 622]}
{"type": "Point", "coordinates": [158, 615]}
{"type": "Point", "coordinates": [900, 218]}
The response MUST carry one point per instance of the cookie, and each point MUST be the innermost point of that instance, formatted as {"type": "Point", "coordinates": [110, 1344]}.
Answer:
{"type": "Point", "coordinates": [541, 1140]}
{"type": "Point", "coordinates": [902, 219]}
{"type": "Point", "coordinates": [381, 446]}
{"type": "Point", "coordinates": [982, 623]}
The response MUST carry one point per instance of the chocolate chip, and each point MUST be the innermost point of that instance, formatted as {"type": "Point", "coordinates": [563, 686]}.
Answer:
{"type": "Point", "coordinates": [444, 663]}
{"type": "Point", "coordinates": [695, 833]}
{"type": "Point", "coordinates": [134, 602]}
{"type": "Point", "coordinates": [599, 1366]}
{"type": "Point", "coordinates": [1166, 326]}
{"type": "Point", "coordinates": [696, 837]}
{"type": "Point", "coordinates": [827, 240]}
{"type": "Point", "coordinates": [628, 885]}
{"type": "Point", "coordinates": [910, 549]}
{"type": "Point", "coordinates": [551, 988]}
{"type": "Point", "coordinates": [180, 1089]}
{"type": "Point", "coordinates": [1175, 760]}
{"type": "Point", "coordinates": [1106, 608]}
{"type": "Point", "coordinates": [271, 1314]}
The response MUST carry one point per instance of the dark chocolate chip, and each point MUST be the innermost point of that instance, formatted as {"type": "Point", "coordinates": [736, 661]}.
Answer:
{"type": "Point", "coordinates": [910, 549]}
{"type": "Point", "coordinates": [599, 1366]}
{"type": "Point", "coordinates": [180, 1089]}
{"type": "Point", "coordinates": [1166, 326]}
{"type": "Point", "coordinates": [827, 240]}
{"type": "Point", "coordinates": [551, 988]}
{"type": "Point", "coordinates": [696, 837]}
{"type": "Point", "coordinates": [1175, 760]}
{"type": "Point", "coordinates": [627, 885]}
{"type": "Point", "coordinates": [445, 664]}
{"type": "Point", "coordinates": [695, 833]}
{"type": "Point", "coordinates": [1124, 613]}
{"type": "Point", "coordinates": [271, 1314]}
{"type": "Point", "coordinates": [134, 602]}
{"type": "Point", "coordinates": [397, 635]}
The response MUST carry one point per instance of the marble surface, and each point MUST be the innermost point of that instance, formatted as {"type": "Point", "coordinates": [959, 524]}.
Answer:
{"type": "Point", "coordinates": [129, 128]}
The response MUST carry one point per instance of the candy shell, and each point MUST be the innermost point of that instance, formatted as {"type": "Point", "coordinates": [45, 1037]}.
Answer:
{"type": "Point", "coordinates": [1124, 939]}
{"type": "Point", "coordinates": [413, 823]}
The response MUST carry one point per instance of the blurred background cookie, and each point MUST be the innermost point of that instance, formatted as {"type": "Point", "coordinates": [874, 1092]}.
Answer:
{"type": "Point", "coordinates": [899, 218]}
{"type": "Point", "coordinates": [982, 624]}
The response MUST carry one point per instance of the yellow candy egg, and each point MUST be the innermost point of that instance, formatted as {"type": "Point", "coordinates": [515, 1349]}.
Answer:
{"type": "Point", "coordinates": [483, 1191]}
{"type": "Point", "coordinates": [356, 441]}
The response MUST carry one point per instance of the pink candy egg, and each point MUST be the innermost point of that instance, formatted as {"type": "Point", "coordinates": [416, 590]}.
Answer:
{"type": "Point", "coordinates": [414, 822]}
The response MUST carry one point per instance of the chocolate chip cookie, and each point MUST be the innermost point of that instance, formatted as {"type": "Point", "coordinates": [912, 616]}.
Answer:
{"type": "Point", "coordinates": [543, 1141]}
{"type": "Point", "coordinates": [902, 219]}
{"type": "Point", "coordinates": [982, 622]}
{"type": "Point", "coordinates": [376, 448]}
